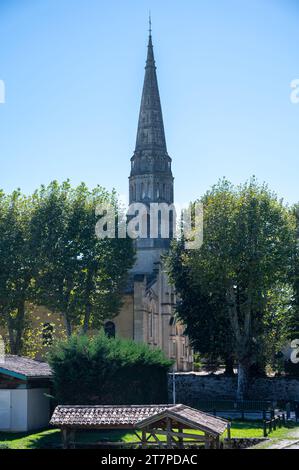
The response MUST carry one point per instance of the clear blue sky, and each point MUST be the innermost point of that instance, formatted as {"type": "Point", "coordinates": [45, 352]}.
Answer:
{"type": "Point", "coordinates": [73, 71]}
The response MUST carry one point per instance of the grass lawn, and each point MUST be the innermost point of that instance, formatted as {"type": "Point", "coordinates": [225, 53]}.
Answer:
{"type": "Point", "coordinates": [254, 429]}
{"type": "Point", "coordinates": [50, 438]}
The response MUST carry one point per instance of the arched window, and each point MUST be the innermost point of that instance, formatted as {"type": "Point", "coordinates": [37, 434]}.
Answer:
{"type": "Point", "coordinates": [109, 329]}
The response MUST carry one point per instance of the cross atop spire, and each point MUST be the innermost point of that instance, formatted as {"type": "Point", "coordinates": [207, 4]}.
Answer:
{"type": "Point", "coordinates": [150, 24]}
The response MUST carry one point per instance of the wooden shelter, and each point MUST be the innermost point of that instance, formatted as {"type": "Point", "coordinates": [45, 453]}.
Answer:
{"type": "Point", "coordinates": [149, 422]}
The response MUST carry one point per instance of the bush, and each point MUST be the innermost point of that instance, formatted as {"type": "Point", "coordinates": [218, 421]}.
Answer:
{"type": "Point", "coordinates": [110, 371]}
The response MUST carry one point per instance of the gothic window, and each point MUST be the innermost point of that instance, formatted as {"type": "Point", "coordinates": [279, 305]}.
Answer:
{"type": "Point", "coordinates": [172, 326]}
{"type": "Point", "coordinates": [173, 349]}
{"type": "Point", "coordinates": [142, 191]}
{"type": "Point", "coordinates": [109, 329]}
{"type": "Point", "coordinates": [150, 325]}
{"type": "Point", "coordinates": [155, 329]}
{"type": "Point", "coordinates": [47, 334]}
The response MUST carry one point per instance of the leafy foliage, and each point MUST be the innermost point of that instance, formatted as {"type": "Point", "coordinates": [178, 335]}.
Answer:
{"type": "Point", "coordinates": [18, 266]}
{"type": "Point", "coordinates": [102, 370]}
{"type": "Point", "coordinates": [50, 256]}
{"type": "Point", "coordinates": [80, 275]}
{"type": "Point", "coordinates": [242, 266]}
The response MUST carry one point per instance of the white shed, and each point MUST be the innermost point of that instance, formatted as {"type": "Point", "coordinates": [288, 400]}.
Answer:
{"type": "Point", "coordinates": [24, 386]}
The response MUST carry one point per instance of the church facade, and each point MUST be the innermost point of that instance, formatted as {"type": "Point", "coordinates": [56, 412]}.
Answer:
{"type": "Point", "coordinates": [148, 312]}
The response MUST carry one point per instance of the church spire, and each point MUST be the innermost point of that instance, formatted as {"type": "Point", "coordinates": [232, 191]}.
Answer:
{"type": "Point", "coordinates": [151, 178]}
{"type": "Point", "coordinates": [150, 133]}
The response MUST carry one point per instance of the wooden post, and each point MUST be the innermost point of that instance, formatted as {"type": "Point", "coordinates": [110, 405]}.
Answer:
{"type": "Point", "coordinates": [143, 439]}
{"type": "Point", "coordinates": [265, 428]}
{"type": "Point", "coordinates": [181, 440]}
{"type": "Point", "coordinates": [71, 442]}
{"type": "Point", "coordinates": [229, 433]}
{"type": "Point", "coordinates": [65, 438]}
{"type": "Point", "coordinates": [168, 430]}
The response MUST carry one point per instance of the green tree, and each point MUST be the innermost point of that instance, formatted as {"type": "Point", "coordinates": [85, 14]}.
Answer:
{"type": "Point", "coordinates": [17, 265]}
{"type": "Point", "coordinates": [101, 370]}
{"type": "Point", "coordinates": [79, 275]}
{"type": "Point", "coordinates": [246, 254]}
{"type": "Point", "coordinates": [203, 313]}
{"type": "Point", "coordinates": [293, 330]}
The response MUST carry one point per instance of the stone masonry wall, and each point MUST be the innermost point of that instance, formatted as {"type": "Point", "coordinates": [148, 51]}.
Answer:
{"type": "Point", "coordinates": [192, 386]}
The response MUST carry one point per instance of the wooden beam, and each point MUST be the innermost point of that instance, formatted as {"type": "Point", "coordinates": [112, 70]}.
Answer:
{"type": "Point", "coordinates": [182, 435]}
{"type": "Point", "coordinates": [160, 444]}
{"type": "Point", "coordinates": [168, 433]}
{"type": "Point", "coordinates": [181, 439]}
{"type": "Point", "coordinates": [137, 435]}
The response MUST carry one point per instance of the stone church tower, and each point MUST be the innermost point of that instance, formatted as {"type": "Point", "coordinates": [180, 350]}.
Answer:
{"type": "Point", "coordinates": [147, 314]}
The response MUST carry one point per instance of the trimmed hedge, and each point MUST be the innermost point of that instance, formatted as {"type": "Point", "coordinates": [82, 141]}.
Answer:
{"type": "Point", "coordinates": [102, 370]}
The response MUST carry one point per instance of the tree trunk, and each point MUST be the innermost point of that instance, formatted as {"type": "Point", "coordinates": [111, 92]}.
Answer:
{"type": "Point", "coordinates": [86, 318]}
{"type": "Point", "coordinates": [10, 334]}
{"type": "Point", "coordinates": [68, 325]}
{"type": "Point", "coordinates": [229, 367]}
{"type": "Point", "coordinates": [20, 321]}
{"type": "Point", "coordinates": [243, 381]}
{"type": "Point", "coordinates": [15, 328]}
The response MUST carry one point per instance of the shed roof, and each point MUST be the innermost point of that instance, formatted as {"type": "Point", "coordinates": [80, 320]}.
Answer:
{"type": "Point", "coordinates": [190, 417]}
{"type": "Point", "coordinates": [25, 368]}
{"type": "Point", "coordinates": [126, 416]}
{"type": "Point", "coordinates": [134, 416]}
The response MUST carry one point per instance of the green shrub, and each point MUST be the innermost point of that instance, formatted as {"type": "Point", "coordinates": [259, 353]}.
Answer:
{"type": "Point", "coordinates": [103, 370]}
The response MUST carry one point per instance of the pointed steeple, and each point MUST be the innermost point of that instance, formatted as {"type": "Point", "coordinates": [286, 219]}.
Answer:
{"type": "Point", "coordinates": [150, 133]}
{"type": "Point", "coordinates": [151, 178]}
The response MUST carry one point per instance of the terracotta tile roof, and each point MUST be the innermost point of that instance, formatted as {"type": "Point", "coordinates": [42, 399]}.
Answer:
{"type": "Point", "coordinates": [191, 417]}
{"type": "Point", "coordinates": [23, 366]}
{"type": "Point", "coordinates": [134, 416]}
{"type": "Point", "coordinates": [103, 416]}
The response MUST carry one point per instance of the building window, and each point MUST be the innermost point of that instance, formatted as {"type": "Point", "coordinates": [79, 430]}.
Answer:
{"type": "Point", "coordinates": [173, 349]}
{"type": "Point", "coordinates": [155, 329]}
{"type": "Point", "coordinates": [150, 325]}
{"type": "Point", "coordinates": [47, 334]}
{"type": "Point", "coordinates": [109, 329]}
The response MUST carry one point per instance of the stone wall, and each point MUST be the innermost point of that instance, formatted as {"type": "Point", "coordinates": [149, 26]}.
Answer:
{"type": "Point", "coordinates": [193, 386]}
{"type": "Point", "coordinates": [243, 443]}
